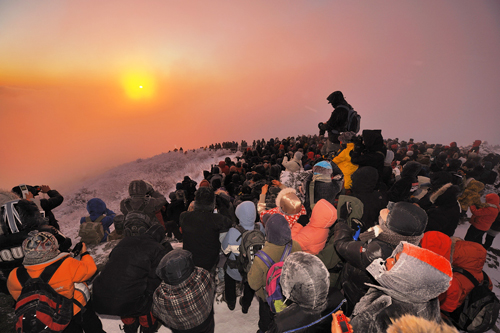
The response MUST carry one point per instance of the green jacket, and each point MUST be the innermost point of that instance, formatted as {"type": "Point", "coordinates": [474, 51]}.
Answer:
{"type": "Point", "coordinates": [258, 273]}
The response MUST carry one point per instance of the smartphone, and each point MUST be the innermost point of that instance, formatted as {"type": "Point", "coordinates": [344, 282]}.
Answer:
{"type": "Point", "coordinates": [343, 323]}
{"type": "Point", "coordinates": [24, 190]}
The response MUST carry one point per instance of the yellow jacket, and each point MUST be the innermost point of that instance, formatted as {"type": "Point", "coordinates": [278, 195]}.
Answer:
{"type": "Point", "coordinates": [343, 161]}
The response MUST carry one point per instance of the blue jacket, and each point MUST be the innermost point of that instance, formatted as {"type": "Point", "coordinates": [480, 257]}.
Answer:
{"type": "Point", "coordinates": [246, 213]}
{"type": "Point", "coordinates": [96, 207]}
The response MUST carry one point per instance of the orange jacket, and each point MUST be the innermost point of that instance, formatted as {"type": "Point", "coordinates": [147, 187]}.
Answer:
{"type": "Point", "coordinates": [63, 280]}
{"type": "Point", "coordinates": [483, 218]}
{"type": "Point", "coordinates": [312, 238]}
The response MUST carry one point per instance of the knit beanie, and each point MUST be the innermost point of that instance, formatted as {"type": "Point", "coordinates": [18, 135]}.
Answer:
{"type": "Point", "coordinates": [277, 230]}
{"type": "Point", "coordinates": [204, 183]}
{"type": "Point", "coordinates": [157, 232]}
{"type": "Point", "coordinates": [39, 247]}
{"type": "Point", "coordinates": [139, 188]}
{"type": "Point", "coordinates": [322, 168]}
{"type": "Point", "coordinates": [175, 267]}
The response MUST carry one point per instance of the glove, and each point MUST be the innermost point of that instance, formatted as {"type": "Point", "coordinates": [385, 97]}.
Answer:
{"type": "Point", "coordinates": [80, 247]}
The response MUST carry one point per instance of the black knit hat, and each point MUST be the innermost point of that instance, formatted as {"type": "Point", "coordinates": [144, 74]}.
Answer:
{"type": "Point", "coordinates": [406, 219]}
{"type": "Point", "coordinates": [175, 267]}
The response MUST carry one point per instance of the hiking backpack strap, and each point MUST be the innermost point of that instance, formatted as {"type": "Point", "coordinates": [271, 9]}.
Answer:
{"type": "Point", "coordinates": [141, 207]}
{"type": "Point", "coordinates": [265, 258]}
{"type": "Point", "coordinates": [100, 218]}
{"type": "Point", "coordinates": [469, 275]}
{"type": "Point", "coordinates": [48, 272]}
{"type": "Point", "coordinates": [241, 230]}
{"type": "Point", "coordinates": [311, 195]}
{"type": "Point", "coordinates": [286, 251]}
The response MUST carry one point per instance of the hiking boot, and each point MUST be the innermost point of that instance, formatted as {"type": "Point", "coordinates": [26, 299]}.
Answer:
{"type": "Point", "coordinates": [131, 328]}
{"type": "Point", "coordinates": [243, 308]}
{"type": "Point", "coordinates": [231, 306]}
{"type": "Point", "coordinates": [152, 329]}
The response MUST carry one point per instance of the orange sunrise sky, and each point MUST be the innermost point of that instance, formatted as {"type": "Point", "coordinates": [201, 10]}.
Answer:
{"type": "Point", "coordinates": [89, 85]}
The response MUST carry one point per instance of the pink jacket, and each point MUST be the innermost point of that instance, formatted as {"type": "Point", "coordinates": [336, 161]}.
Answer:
{"type": "Point", "coordinates": [312, 238]}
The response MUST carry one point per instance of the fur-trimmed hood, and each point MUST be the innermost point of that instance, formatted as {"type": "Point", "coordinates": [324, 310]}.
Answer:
{"type": "Point", "coordinates": [445, 195]}
{"type": "Point", "coordinates": [419, 275]}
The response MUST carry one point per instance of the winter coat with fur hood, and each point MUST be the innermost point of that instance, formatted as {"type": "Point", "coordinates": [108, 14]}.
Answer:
{"type": "Point", "coordinates": [404, 222]}
{"type": "Point", "coordinates": [343, 160]}
{"type": "Point", "coordinates": [444, 214]}
{"type": "Point", "coordinates": [471, 195]}
{"type": "Point", "coordinates": [312, 238]}
{"type": "Point", "coordinates": [483, 218]}
{"type": "Point", "coordinates": [305, 282]}
{"type": "Point", "coordinates": [410, 287]}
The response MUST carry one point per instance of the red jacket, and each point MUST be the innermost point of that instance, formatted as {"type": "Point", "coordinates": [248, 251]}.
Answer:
{"type": "Point", "coordinates": [469, 256]}
{"type": "Point", "coordinates": [483, 218]}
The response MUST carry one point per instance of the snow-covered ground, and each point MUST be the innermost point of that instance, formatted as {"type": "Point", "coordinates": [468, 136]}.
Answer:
{"type": "Point", "coordinates": [164, 171]}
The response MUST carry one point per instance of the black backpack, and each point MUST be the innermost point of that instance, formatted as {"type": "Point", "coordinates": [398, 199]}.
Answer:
{"type": "Point", "coordinates": [137, 222]}
{"type": "Point", "coordinates": [480, 309]}
{"type": "Point", "coordinates": [40, 308]}
{"type": "Point", "coordinates": [252, 241]}
{"type": "Point", "coordinates": [353, 123]}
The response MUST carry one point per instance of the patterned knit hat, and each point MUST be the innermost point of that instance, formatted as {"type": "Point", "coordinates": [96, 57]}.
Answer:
{"type": "Point", "coordinates": [39, 247]}
{"type": "Point", "coordinates": [322, 168]}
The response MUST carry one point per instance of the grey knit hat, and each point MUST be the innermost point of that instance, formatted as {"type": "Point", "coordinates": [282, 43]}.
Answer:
{"type": "Point", "coordinates": [39, 247]}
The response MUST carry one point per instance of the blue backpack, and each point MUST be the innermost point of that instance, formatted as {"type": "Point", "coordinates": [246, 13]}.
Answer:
{"type": "Point", "coordinates": [275, 297]}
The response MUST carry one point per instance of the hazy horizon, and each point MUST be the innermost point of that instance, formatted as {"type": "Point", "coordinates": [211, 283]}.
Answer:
{"type": "Point", "coordinates": [89, 85]}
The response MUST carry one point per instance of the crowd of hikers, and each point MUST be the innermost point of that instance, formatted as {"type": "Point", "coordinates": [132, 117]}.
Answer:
{"type": "Point", "coordinates": [349, 233]}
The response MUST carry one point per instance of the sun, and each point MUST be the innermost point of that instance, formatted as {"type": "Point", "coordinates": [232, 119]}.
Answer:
{"type": "Point", "coordinates": [139, 86]}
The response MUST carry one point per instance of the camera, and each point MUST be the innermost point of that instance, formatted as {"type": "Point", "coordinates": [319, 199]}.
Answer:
{"type": "Point", "coordinates": [25, 189]}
